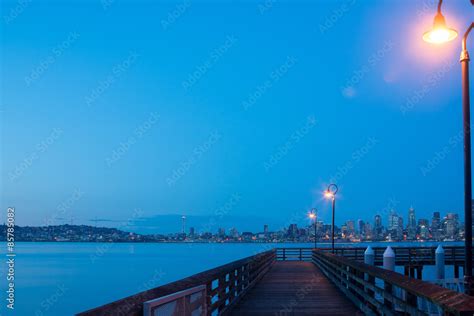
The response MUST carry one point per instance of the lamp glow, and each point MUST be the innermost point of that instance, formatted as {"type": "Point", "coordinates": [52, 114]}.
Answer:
{"type": "Point", "coordinates": [328, 194]}
{"type": "Point", "coordinates": [440, 33]}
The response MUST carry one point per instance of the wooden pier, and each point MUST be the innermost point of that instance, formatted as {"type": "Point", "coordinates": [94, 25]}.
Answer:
{"type": "Point", "coordinates": [301, 281]}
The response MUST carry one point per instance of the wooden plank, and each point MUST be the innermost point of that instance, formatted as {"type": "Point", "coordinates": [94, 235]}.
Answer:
{"type": "Point", "coordinates": [294, 288]}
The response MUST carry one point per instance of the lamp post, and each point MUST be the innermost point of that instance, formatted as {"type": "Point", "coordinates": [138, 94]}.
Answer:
{"type": "Point", "coordinates": [330, 193]}
{"type": "Point", "coordinates": [439, 34]}
{"type": "Point", "coordinates": [312, 215]}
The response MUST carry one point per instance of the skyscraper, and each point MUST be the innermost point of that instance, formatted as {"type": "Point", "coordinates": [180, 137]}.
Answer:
{"type": "Point", "coordinates": [411, 225]}
{"type": "Point", "coordinates": [265, 229]}
{"type": "Point", "coordinates": [451, 225]}
{"type": "Point", "coordinates": [292, 230]}
{"type": "Point", "coordinates": [221, 232]}
{"type": "Point", "coordinates": [395, 225]}
{"type": "Point", "coordinates": [361, 228]}
{"type": "Point", "coordinates": [378, 228]}
{"type": "Point", "coordinates": [435, 221]}
{"type": "Point", "coordinates": [436, 225]}
{"type": "Point", "coordinates": [350, 226]}
{"type": "Point", "coordinates": [183, 223]}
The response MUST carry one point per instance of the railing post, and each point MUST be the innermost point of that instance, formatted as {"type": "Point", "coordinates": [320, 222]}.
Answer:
{"type": "Point", "coordinates": [208, 298]}
{"type": "Point", "coordinates": [388, 264]}
{"type": "Point", "coordinates": [369, 258]}
{"type": "Point", "coordinates": [439, 258]}
{"type": "Point", "coordinates": [300, 254]}
{"type": "Point", "coordinates": [389, 259]}
{"type": "Point", "coordinates": [284, 254]}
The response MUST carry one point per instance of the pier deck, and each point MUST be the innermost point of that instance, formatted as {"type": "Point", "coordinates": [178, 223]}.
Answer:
{"type": "Point", "coordinates": [294, 288]}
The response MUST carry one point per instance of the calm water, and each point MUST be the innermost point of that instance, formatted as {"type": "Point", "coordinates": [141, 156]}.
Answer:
{"type": "Point", "coordinates": [66, 278]}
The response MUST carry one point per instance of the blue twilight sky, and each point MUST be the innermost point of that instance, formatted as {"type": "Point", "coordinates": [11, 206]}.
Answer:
{"type": "Point", "coordinates": [240, 110]}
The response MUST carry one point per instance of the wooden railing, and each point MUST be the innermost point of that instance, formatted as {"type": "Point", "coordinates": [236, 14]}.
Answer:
{"type": "Point", "coordinates": [377, 291]}
{"type": "Point", "coordinates": [225, 286]}
{"type": "Point", "coordinates": [292, 254]}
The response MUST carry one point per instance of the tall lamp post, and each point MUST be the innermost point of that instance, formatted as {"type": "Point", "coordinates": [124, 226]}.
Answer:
{"type": "Point", "coordinates": [330, 193]}
{"type": "Point", "coordinates": [313, 216]}
{"type": "Point", "coordinates": [439, 34]}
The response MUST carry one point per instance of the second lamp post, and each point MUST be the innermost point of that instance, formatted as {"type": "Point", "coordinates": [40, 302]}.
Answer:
{"type": "Point", "coordinates": [330, 193]}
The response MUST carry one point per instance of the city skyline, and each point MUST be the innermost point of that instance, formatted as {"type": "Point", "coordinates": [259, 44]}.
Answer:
{"type": "Point", "coordinates": [214, 224]}
{"type": "Point", "coordinates": [438, 228]}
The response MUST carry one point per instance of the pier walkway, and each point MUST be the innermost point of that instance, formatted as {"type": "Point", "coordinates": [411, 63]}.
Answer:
{"type": "Point", "coordinates": [294, 288]}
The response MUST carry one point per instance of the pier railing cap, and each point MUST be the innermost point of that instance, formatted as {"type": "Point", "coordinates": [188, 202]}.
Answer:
{"type": "Point", "coordinates": [369, 251]}
{"type": "Point", "coordinates": [440, 249]}
{"type": "Point", "coordinates": [389, 252]}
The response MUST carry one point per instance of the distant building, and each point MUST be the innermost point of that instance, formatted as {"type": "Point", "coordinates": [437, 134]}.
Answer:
{"type": "Point", "coordinates": [350, 226]}
{"type": "Point", "coordinates": [395, 225]}
{"type": "Point", "coordinates": [221, 232]}
{"type": "Point", "coordinates": [234, 233]}
{"type": "Point", "coordinates": [191, 231]}
{"type": "Point", "coordinates": [293, 231]}
{"type": "Point", "coordinates": [451, 225]}
{"type": "Point", "coordinates": [411, 225]}
{"type": "Point", "coordinates": [265, 229]}
{"type": "Point", "coordinates": [368, 231]}
{"type": "Point", "coordinates": [435, 221]}
{"type": "Point", "coordinates": [361, 228]}
{"type": "Point", "coordinates": [378, 228]}
{"type": "Point", "coordinates": [247, 236]}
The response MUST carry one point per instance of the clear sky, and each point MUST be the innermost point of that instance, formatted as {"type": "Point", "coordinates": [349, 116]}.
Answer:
{"type": "Point", "coordinates": [242, 108]}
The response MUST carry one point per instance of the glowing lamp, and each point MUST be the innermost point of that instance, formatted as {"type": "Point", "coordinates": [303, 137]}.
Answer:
{"type": "Point", "coordinates": [440, 33]}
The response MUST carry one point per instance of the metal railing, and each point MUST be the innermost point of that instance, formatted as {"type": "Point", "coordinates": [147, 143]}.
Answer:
{"type": "Point", "coordinates": [225, 286]}
{"type": "Point", "coordinates": [377, 291]}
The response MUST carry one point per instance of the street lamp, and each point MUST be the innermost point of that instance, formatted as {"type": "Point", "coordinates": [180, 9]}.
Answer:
{"type": "Point", "coordinates": [439, 34]}
{"type": "Point", "coordinates": [330, 193]}
{"type": "Point", "coordinates": [313, 216]}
